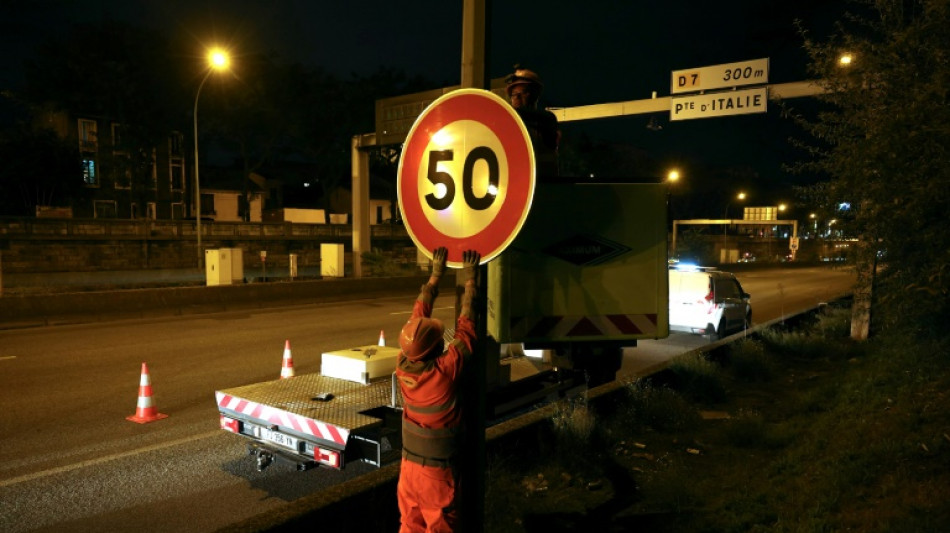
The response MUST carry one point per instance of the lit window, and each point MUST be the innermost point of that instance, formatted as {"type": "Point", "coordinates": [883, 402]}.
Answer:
{"type": "Point", "coordinates": [89, 171]}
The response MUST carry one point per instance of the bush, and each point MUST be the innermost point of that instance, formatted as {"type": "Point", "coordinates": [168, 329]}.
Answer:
{"type": "Point", "coordinates": [698, 378]}
{"type": "Point", "coordinates": [658, 408]}
{"type": "Point", "coordinates": [574, 422]}
{"type": "Point", "coordinates": [749, 361]}
{"type": "Point", "coordinates": [833, 322]}
{"type": "Point", "coordinates": [798, 344]}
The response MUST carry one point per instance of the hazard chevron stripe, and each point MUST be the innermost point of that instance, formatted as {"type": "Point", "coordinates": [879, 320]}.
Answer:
{"type": "Point", "coordinates": [583, 326]}
{"type": "Point", "coordinates": [300, 424]}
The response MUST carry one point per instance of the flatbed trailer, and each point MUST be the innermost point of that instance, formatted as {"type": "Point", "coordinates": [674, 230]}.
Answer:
{"type": "Point", "coordinates": [318, 420]}
{"type": "Point", "coordinates": [314, 419]}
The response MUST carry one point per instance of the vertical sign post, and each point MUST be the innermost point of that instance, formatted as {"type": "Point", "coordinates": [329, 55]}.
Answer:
{"type": "Point", "coordinates": [474, 35]}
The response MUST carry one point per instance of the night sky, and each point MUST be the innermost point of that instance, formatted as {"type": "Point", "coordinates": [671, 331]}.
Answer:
{"type": "Point", "coordinates": [586, 52]}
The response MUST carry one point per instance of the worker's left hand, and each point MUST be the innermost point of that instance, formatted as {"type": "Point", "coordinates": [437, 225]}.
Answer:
{"type": "Point", "coordinates": [470, 259]}
{"type": "Point", "coordinates": [439, 256]}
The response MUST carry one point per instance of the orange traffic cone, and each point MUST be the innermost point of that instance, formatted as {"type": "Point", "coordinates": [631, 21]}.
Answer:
{"type": "Point", "coordinates": [287, 365]}
{"type": "Point", "coordinates": [382, 338]}
{"type": "Point", "coordinates": [145, 411]}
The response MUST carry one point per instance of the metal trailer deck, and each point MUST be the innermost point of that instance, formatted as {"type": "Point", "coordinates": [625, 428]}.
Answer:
{"type": "Point", "coordinates": [325, 411]}
{"type": "Point", "coordinates": [314, 419]}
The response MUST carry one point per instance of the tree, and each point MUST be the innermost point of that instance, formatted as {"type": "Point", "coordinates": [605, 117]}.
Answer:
{"type": "Point", "coordinates": [883, 139]}
{"type": "Point", "coordinates": [359, 98]}
{"type": "Point", "coordinates": [331, 111]}
{"type": "Point", "coordinates": [39, 169]}
{"type": "Point", "coordinates": [120, 72]}
{"type": "Point", "coordinates": [252, 114]}
{"type": "Point", "coordinates": [273, 113]}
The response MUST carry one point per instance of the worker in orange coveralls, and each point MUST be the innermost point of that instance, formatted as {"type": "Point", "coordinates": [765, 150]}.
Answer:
{"type": "Point", "coordinates": [432, 420]}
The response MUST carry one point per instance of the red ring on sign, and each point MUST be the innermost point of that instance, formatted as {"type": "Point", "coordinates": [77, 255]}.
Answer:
{"type": "Point", "coordinates": [503, 121]}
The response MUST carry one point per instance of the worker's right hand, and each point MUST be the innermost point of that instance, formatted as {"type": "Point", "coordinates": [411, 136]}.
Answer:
{"type": "Point", "coordinates": [470, 259]}
{"type": "Point", "coordinates": [439, 256]}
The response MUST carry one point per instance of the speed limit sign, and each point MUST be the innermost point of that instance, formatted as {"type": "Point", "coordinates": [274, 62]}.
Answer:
{"type": "Point", "coordinates": [467, 175]}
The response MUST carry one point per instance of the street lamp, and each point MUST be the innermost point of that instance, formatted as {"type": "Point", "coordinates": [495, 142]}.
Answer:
{"type": "Point", "coordinates": [781, 208]}
{"type": "Point", "coordinates": [671, 178]}
{"type": "Point", "coordinates": [217, 60]}
{"type": "Point", "coordinates": [725, 214]}
{"type": "Point", "coordinates": [725, 224]}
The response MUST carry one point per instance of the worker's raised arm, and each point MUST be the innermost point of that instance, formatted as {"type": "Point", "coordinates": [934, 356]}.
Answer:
{"type": "Point", "coordinates": [470, 259]}
{"type": "Point", "coordinates": [430, 290]}
{"type": "Point", "coordinates": [439, 256]}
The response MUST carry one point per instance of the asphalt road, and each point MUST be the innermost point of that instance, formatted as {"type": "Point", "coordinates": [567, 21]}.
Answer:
{"type": "Point", "coordinates": [74, 463]}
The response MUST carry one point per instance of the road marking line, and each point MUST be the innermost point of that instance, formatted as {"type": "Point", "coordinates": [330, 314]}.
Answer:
{"type": "Point", "coordinates": [6, 357]}
{"type": "Point", "coordinates": [93, 462]}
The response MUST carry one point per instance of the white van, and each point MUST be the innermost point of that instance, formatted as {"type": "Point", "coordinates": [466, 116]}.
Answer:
{"type": "Point", "coordinates": [707, 301]}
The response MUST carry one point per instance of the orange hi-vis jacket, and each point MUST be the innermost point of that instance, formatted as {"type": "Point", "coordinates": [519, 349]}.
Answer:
{"type": "Point", "coordinates": [432, 416]}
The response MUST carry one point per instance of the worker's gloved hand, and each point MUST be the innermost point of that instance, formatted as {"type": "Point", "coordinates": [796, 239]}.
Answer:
{"type": "Point", "coordinates": [470, 260]}
{"type": "Point", "coordinates": [438, 261]}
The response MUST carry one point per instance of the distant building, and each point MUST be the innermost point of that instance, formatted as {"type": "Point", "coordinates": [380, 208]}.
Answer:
{"type": "Point", "coordinates": [124, 184]}
{"type": "Point", "coordinates": [221, 191]}
{"type": "Point", "coordinates": [152, 184]}
{"type": "Point", "coordinates": [382, 210]}
{"type": "Point", "coordinates": [130, 183]}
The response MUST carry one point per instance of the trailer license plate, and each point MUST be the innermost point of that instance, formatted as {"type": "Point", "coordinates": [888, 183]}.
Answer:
{"type": "Point", "coordinates": [279, 438]}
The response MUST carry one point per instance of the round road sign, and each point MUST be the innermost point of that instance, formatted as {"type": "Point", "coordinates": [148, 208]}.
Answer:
{"type": "Point", "coordinates": [466, 177]}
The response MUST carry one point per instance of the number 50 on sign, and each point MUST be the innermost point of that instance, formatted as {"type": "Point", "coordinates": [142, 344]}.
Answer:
{"type": "Point", "coordinates": [467, 175]}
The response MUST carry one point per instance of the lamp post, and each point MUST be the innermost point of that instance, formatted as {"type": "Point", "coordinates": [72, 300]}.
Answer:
{"type": "Point", "coordinates": [217, 60]}
{"type": "Point", "coordinates": [671, 178]}
{"type": "Point", "coordinates": [725, 224]}
{"type": "Point", "coordinates": [781, 209]}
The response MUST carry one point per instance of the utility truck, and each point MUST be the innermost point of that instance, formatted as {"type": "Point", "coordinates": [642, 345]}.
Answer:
{"type": "Point", "coordinates": [585, 278]}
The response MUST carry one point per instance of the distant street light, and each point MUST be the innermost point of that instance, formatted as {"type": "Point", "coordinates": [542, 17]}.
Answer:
{"type": "Point", "coordinates": [740, 196]}
{"type": "Point", "coordinates": [217, 60]}
{"type": "Point", "coordinates": [725, 224]}
{"type": "Point", "coordinates": [673, 176]}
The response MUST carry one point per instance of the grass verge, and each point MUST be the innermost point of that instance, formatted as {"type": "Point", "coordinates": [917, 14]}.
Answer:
{"type": "Point", "coordinates": [792, 430]}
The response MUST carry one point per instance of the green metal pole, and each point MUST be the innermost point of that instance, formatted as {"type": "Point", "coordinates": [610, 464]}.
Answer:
{"type": "Point", "coordinates": [472, 467]}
